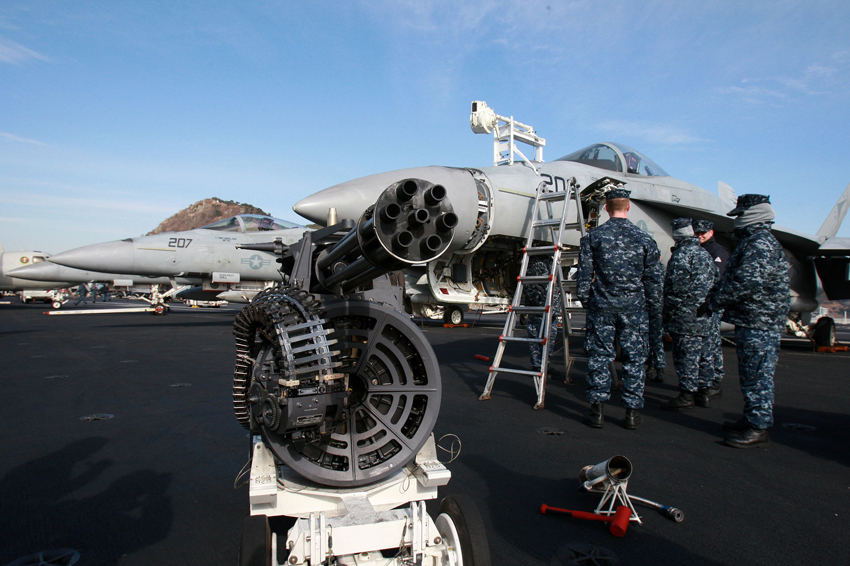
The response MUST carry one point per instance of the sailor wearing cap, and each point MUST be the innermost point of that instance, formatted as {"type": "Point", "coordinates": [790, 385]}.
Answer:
{"type": "Point", "coordinates": [704, 230]}
{"type": "Point", "coordinates": [619, 282]}
{"type": "Point", "coordinates": [690, 276]}
{"type": "Point", "coordinates": [754, 291]}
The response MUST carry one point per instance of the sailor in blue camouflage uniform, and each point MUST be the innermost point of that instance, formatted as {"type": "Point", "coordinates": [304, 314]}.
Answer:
{"type": "Point", "coordinates": [704, 230]}
{"type": "Point", "coordinates": [754, 292]}
{"type": "Point", "coordinates": [656, 363]}
{"type": "Point", "coordinates": [690, 276]}
{"type": "Point", "coordinates": [534, 295]}
{"type": "Point", "coordinates": [619, 283]}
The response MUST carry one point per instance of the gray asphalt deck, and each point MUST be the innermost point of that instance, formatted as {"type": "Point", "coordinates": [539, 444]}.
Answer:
{"type": "Point", "coordinates": [154, 483]}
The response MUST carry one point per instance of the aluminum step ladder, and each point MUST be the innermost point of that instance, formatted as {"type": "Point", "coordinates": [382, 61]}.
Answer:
{"type": "Point", "coordinates": [542, 217]}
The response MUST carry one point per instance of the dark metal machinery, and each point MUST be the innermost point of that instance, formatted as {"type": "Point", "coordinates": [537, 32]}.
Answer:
{"type": "Point", "coordinates": [342, 386]}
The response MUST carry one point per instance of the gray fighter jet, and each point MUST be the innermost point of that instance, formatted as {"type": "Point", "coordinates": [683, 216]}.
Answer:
{"type": "Point", "coordinates": [494, 206]}
{"type": "Point", "coordinates": [12, 261]}
{"type": "Point", "coordinates": [204, 263]}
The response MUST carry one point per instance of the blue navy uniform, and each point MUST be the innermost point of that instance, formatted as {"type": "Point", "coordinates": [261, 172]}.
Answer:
{"type": "Point", "coordinates": [535, 295]}
{"type": "Point", "coordinates": [754, 292]}
{"type": "Point", "coordinates": [619, 283]}
{"type": "Point", "coordinates": [720, 255]}
{"type": "Point", "coordinates": [690, 276]}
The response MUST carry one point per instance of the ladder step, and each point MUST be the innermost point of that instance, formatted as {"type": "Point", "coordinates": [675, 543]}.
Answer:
{"type": "Point", "coordinates": [540, 250]}
{"type": "Point", "coordinates": [534, 278]}
{"type": "Point", "coordinates": [555, 222]}
{"type": "Point", "coordinates": [552, 222]}
{"type": "Point", "coordinates": [556, 196]}
{"type": "Point", "coordinates": [517, 371]}
{"type": "Point", "coordinates": [520, 339]}
{"type": "Point", "coordinates": [529, 310]}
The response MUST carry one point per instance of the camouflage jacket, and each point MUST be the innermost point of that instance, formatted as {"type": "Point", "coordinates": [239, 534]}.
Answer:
{"type": "Point", "coordinates": [534, 294]}
{"type": "Point", "coordinates": [619, 269]}
{"type": "Point", "coordinates": [690, 275]}
{"type": "Point", "coordinates": [754, 290]}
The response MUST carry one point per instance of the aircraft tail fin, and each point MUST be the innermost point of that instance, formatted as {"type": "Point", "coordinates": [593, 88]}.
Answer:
{"type": "Point", "coordinates": [727, 195]}
{"type": "Point", "coordinates": [833, 221]}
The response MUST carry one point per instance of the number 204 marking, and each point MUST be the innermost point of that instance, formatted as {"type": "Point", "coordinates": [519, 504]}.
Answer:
{"type": "Point", "coordinates": [179, 242]}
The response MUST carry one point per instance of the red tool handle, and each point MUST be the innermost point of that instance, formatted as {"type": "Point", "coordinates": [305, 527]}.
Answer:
{"type": "Point", "coordinates": [577, 514]}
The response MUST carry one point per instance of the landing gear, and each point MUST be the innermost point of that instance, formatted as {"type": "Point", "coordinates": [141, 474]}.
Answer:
{"type": "Point", "coordinates": [824, 333]}
{"type": "Point", "coordinates": [453, 315]}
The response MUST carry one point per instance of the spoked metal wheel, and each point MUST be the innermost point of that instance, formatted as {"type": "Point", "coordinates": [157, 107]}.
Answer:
{"type": "Point", "coordinates": [393, 398]}
{"type": "Point", "coordinates": [462, 529]}
{"type": "Point", "coordinates": [453, 315]}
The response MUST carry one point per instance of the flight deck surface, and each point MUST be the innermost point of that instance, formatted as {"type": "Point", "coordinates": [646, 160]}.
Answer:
{"type": "Point", "coordinates": [119, 441]}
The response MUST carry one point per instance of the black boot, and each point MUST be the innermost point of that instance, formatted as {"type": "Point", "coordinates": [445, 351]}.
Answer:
{"type": "Point", "coordinates": [715, 391]}
{"type": "Point", "coordinates": [683, 402]}
{"type": "Point", "coordinates": [748, 438]}
{"type": "Point", "coordinates": [633, 419]}
{"type": "Point", "coordinates": [701, 398]}
{"type": "Point", "coordinates": [655, 374]}
{"type": "Point", "coordinates": [594, 417]}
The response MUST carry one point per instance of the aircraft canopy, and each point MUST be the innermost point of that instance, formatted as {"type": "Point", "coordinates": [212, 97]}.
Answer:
{"type": "Point", "coordinates": [250, 223]}
{"type": "Point", "coordinates": [612, 156]}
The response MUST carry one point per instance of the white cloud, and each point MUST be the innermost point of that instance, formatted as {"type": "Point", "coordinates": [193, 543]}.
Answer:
{"type": "Point", "coordinates": [15, 53]}
{"type": "Point", "coordinates": [661, 134]}
{"type": "Point", "coordinates": [14, 138]}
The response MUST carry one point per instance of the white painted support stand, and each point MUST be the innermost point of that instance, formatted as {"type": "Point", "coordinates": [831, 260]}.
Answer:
{"type": "Point", "coordinates": [353, 525]}
{"type": "Point", "coordinates": [613, 495]}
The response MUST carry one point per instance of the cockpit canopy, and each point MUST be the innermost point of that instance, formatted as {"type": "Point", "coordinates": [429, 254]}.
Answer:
{"type": "Point", "coordinates": [613, 156]}
{"type": "Point", "coordinates": [251, 223]}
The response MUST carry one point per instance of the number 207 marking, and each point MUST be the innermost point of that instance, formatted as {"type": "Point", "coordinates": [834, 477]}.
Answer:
{"type": "Point", "coordinates": [179, 242]}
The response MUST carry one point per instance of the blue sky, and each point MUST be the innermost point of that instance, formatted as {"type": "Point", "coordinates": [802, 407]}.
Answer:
{"type": "Point", "coordinates": [115, 115]}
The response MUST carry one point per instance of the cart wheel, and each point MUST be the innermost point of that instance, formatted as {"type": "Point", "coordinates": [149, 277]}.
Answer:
{"type": "Point", "coordinates": [825, 331]}
{"type": "Point", "coordinates": [453, 315]}
{"type": "Point", "coordinates": [56, 304]}
{"type": "Point", "coordinates": [461, 526]}
{"type": "Point", "coordinates": [255, 548]}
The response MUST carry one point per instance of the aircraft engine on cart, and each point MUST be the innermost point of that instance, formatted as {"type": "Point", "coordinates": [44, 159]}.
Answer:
{"type": "Point", "coordinates": [342, 386]}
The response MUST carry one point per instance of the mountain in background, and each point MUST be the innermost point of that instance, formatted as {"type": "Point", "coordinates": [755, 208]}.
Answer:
{"type": "Point", "coordinates": [204, 212]}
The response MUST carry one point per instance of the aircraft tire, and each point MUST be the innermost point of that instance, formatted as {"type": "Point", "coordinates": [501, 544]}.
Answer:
{"type": "Point", "coordinates": [453, 315]}
{"type": "Point", "coordinates": [825, 331]}
{"type": "Point", "coordinates": [255, 547]}
{"type": "Point", "coordinates": [56, 304]}
{"type": "Point", "coordinates": [460, 512]}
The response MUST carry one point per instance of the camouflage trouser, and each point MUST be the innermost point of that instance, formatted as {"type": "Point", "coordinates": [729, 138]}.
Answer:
{"type": "Point", "coordinates": [717, 348]}
{"type": "Point", "coordinates": [758, 352]}
{"type": "Point", "coordinates": [656, 358]}
{"type": "Point", "coordinates": [533, 327]}
{"type": "Point", "coordinates": [694, 360]}
{"type": "Point", "coordinates": [630, 329]}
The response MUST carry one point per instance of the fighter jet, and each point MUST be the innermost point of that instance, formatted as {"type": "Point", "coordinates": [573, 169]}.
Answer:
{"type": "Point", "coordinates": [11, 261]}
{"type": "Point", "coordinates": [494, 206]}
{"type": "Point", "coordinates": [204, 263]}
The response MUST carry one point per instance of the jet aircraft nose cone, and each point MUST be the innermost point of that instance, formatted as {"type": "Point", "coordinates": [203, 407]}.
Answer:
{"type": "Point", "coordinates": [41, 271]}
{"type": "Point", "coordinates": [114, 257]}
